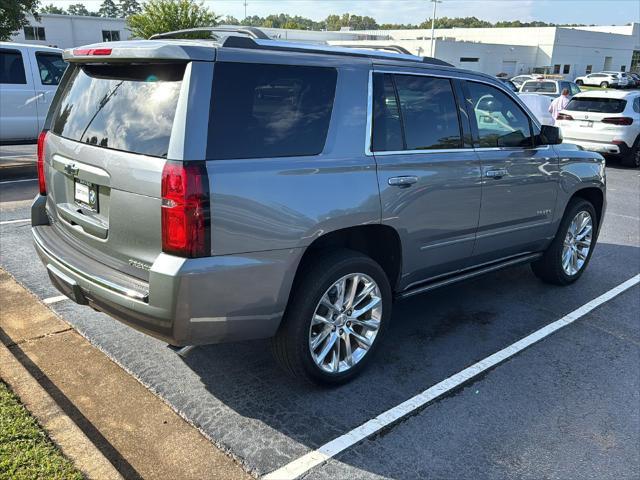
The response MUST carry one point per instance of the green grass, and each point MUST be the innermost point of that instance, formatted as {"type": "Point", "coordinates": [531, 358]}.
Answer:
{"type": "Point", "coordinates": [25, 450]}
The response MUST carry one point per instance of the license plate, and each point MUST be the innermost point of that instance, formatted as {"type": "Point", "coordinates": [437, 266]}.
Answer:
{"type": "Point", "coordinates": [86, 194]}
{"type": "Point", "coordinates": [586, 123]}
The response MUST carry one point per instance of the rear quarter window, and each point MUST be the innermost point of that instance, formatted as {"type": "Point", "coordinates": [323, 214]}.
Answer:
{"type": "Point", "coordinates": [260, 110]}
{"type": "Point", "coordinates": [123, 107]}
{"type": "Point", "coordinates": [544, 87]}
{"type": "Point", "coordinates": [11, 67]}
{"type": "Point", "coordinates": [600, 105]}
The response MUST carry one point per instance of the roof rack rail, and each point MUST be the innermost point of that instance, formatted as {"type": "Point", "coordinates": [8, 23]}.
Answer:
{"type": "Point", "coordinates": [234, 41]}
{"type": "Point", "coordinates": [390, 48]}
{"type": "Point", "coordinates": [251, 32]}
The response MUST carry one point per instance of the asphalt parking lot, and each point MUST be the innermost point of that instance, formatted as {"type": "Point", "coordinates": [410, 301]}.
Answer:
{"type": "Point", "coordinates": [566, 407]}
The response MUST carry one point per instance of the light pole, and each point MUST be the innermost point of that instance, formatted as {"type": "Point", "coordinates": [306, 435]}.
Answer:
{"type": "Point", "coordinates": [433, 25]}
{"type": "Point", "coordinates": [245, 9]}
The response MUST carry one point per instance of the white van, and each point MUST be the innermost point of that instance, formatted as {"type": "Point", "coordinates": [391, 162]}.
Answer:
{"type": "Point", "coordinates": [29, 76]}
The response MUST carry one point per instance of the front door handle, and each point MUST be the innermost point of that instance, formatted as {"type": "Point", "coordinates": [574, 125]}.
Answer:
{"type": "Point", "coordinates": [404, 181]}
{"type": "Point", "coordinates": [496, 174]}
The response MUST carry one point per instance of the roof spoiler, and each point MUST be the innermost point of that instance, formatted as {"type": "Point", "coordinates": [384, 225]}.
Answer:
{"type": "Point", "coordinates": [251, 32]}
{"type": "Point", "coordinates": [233, 41]}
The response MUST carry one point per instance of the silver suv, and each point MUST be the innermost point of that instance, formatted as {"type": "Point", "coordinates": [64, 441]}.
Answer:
{"type": "Point", "coordinates": [208, 191]}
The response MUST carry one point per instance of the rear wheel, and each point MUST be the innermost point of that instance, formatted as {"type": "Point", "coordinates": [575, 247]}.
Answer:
{"type": "Point", "coordinates": [579, 83]}
{"type": "Point", "coordinates": [566, 258]}
{"type": "Point", "coordinates": [632, 158]}
{"type": "Point", "coordinates": [604, 85]}
{"type": "Point", "coordinates": [335, 319]}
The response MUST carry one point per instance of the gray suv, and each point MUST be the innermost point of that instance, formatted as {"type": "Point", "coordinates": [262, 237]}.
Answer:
{"type": "Point", "coordinates": [237, 188]}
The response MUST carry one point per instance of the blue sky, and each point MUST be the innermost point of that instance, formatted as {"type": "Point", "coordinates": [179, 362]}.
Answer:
{"type": "Point", "coordinates": [601, 12]}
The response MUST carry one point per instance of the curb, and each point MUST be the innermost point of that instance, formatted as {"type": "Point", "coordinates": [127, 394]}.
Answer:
{"type": "Point", "coordinates": [61, 429]}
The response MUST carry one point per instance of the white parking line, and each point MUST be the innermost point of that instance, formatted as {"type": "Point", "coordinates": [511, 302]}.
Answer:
{"type": "Point", "coordinates": [22, 220]}
{"type": "Point", "coordinates": [17, 181]}
{"type": "Point", "coordinates": [325, 452]}
{"type": "Point", "coordinates": [57, 299]}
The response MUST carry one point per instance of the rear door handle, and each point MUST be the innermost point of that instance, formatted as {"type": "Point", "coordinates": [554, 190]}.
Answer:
{"type": "Point", "coordinates": [404, 181]}
{"type": "Point", "coordinates": [496, 174]}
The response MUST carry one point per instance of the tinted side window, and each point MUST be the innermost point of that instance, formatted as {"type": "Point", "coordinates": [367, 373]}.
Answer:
{"type": "Point", "coordinates": [429, 112]}
{"type": "Point", "coordinates": [500, 121]}
{"type": "Point", "coordinates": [387, 129]}
{"type": "Point", "coordinates": [51, 67]}
{"type": "Point", "coordinates": [269, 110]}
{"type": "Point", "coordinates": [11, 67]}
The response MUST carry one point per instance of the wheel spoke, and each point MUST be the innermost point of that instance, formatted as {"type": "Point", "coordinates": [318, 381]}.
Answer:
{"type": "Point", "coordinates": [327, 347]}
{"type": "Point", "coordinates": [584, 232]}
{"type": "Point", "coordinates": [348, 354]}
{"type": "Point", "coordinates": [370, 324]}
{"type": "Point", "coordinates": [375, 301]}
{"type": "Point", "coordinates": [341, 286]}
{"type": "Point", "coordinates": [318, 339]}
{"type": "Point", "coordinates": [364, 293]}
{"type": "Point", "coordinates": [336, 355]}
{"type": "Point", "coordinates": [319, 319]}
{"type": "Point", "coordinates": [362, 340]}
{"type": "Point", "coordinates": [352, 291]}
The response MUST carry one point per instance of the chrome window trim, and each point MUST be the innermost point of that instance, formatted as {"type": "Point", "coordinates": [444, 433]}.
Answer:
{"type": "Point", "coordinates": [369, 124]}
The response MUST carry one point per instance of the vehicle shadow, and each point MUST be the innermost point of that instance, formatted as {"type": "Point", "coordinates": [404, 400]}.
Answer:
{"type": "Point", "coordinates": [431, 337]}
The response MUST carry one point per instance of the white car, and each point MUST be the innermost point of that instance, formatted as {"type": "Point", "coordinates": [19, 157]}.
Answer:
{"type": "Point", "coordinates": [29, 77]}
{"type": "Point", "coordinates": [520, 79]}
{"type": "Point", "coordinates": [601, 79]}
{"type": "Point", "coordinates": [539, 106]}
{"type": "Point", "coordinates": [604, 121]}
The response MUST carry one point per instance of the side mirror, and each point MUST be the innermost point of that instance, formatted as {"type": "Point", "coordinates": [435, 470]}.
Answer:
{"type": "Point", "coordinates": [549, 135]}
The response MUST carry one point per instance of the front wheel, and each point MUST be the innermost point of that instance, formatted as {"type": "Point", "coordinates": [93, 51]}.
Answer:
{"type": "Point", "coordinates": [567, 257]}
{"type": "Point", "coordinates": [335, 319]}
{"type": "Point", "coordinates": [604, 85]}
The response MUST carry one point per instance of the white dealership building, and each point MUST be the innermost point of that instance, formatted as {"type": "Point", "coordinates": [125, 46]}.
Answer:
{"type": "Point", "coordinates": [567, 51]}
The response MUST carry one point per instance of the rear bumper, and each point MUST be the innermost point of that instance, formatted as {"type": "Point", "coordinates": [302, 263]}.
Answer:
{"type": "Point", "coordinates": [605, 148]}
{"type": "Point", "coordinates": [186, 301]}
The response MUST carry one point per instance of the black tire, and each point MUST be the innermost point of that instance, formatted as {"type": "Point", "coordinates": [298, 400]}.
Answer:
{"type": "Point", "coordinates": [579, 83]}
{"type": "Point", "coordinates": [632, 157]}
{"type": "Point", "coordinates": [290, 345]}
{"type": "Point", "coordinates": [604, 85]}
{"type": "Point", "coordinates": [549, 267]}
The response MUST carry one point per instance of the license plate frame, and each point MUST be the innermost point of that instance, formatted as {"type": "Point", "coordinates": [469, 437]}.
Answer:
{"type": "Point", "coordinates": [586, 123]}
{"type": "Point", "coordinates": [85, 194]}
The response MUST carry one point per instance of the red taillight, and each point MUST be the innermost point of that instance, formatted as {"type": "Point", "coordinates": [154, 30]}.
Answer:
{"type": "Point", "coordinates": [91, 51]}
{"type": "Point", "coordinates": [564, 116]}
{"type": "Point", "coordinates": [41, 179]}
{"type": "Point", "coordinates": [186, 227]}
{"type": "Point", "coordinates": [618, 120]}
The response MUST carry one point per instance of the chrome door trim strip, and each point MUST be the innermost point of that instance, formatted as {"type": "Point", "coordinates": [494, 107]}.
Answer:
{"type": "Point", "coordinates": [466, 274]}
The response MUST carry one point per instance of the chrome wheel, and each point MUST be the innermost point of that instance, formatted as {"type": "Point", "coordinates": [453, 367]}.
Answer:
{"type": "Point", "coordinates": [577, 243]}
{"type": "Point", "coordinates": [345, 323]}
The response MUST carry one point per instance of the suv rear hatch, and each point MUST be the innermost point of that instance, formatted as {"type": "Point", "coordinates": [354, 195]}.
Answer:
{"type": "Point", "coordinates": [592, 118]}
{"type": "Point", "coordinates": [105, 151]}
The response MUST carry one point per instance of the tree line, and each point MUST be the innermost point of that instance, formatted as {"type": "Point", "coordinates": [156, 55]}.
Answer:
{"type": "Point", "coordinates": [126, 8]}
{"type": "Point", "coordinates": [144, 18]}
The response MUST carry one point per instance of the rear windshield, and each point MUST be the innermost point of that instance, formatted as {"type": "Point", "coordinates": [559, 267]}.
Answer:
{"type": "Point", "coordinates": [602, 105]}
{"type": "Point", "coordinates": [123, 107]}
{"type": "Point", "coordinates": [545, 87]}
{"type": "Point", "coordinates": [260, 111]}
